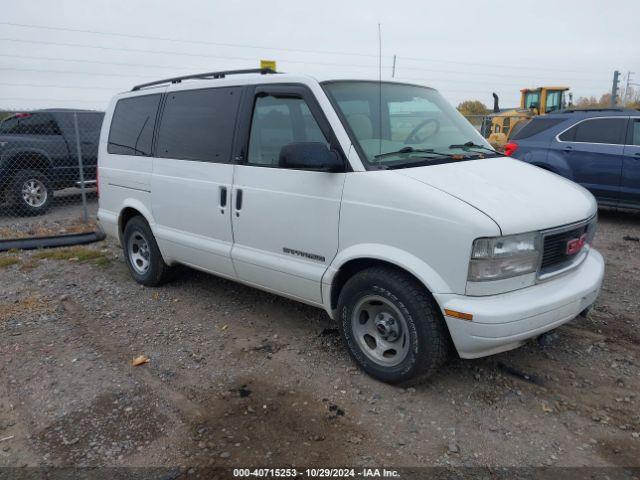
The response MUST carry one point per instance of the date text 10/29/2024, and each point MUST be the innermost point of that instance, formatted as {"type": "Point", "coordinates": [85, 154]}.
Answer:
{"type": "Point", "coordinates": [316, 472]}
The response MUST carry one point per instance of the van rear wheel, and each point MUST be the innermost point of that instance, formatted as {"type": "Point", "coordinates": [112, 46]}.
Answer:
{"type": "Point", "coordinates": [391, 326]}
{"type": "Point", "coordinates": [143, 256]}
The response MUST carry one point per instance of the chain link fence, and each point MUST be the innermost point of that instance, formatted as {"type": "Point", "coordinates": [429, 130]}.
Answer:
{"type": "Point", "coordinates": [499, 131]}
{"type": "Point", "coordinates": [482, 123]}
{"type": "Point", "coordinates": [48, 165]}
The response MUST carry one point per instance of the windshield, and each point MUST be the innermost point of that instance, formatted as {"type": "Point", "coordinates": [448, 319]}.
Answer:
{"type": "Point", "coordinates": [394, 123]}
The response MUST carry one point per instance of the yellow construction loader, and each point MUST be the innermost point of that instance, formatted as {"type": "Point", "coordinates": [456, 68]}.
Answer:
{"type": "Point", "coordinates": [500, 125]}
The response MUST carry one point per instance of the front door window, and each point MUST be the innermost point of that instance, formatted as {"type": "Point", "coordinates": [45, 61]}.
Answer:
{"type": "Point", "coordinates": [278, 122]}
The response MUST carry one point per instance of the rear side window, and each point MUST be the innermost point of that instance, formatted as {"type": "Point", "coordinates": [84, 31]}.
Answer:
{"type": "Point", "coordinates": [597, 130]}
{"type": "Point", "coordinates": [199, 124]}
{"type": "Point", "coordinates": [536, 126]}
{"type": "Point", "coordinates": [131, 131]}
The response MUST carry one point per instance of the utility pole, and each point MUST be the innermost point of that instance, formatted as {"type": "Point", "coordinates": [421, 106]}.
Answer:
{"type": "Point", "coordinates": [393, 68]}
{"type": "Point", "coordinates": [614, 88]}
{"type": "Point", "coordinates": [626, 88]}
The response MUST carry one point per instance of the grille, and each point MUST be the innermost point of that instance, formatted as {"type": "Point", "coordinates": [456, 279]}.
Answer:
{"type": "Point", "coordinates": [554, 254]}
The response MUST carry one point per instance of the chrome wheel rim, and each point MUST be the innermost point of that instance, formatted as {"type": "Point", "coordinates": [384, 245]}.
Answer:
{"type": "Point", "coordinates": [380, 330]}
{"type": "Point", "coordinates": [139, 253]}
{"type": "Point", "coordinates": [34, 193]}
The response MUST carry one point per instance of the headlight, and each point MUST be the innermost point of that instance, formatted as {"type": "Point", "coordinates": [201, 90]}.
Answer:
{"type": "Point", "coordinates": [503, 257]}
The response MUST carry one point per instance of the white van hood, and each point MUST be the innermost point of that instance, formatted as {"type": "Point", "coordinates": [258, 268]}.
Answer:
{"type": "Point", "coordinates": [519, 197]}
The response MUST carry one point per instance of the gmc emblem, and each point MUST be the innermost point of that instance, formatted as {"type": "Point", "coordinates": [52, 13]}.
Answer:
{"type": "Point", "coordinates": [575, 244]}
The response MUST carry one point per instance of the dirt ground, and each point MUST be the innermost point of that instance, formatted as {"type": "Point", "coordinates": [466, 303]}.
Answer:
{"type": "Point", "coordinates": [65, 216]}
{"type": "Point", "coordinates": [238, 377]}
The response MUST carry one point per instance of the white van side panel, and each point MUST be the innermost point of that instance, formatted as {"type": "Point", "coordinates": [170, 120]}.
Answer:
{"type": "Point", "coordinates": [192, 226]}
{"type": "Point", "coordinates": [286, 233]}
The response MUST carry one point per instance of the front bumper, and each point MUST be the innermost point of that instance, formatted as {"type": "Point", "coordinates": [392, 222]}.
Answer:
{"type": "Point", "coordinates": [503, 322]}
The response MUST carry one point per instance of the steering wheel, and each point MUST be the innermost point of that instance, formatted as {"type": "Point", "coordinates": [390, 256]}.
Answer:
{"type": "Point", "coordinates": [413, 138]}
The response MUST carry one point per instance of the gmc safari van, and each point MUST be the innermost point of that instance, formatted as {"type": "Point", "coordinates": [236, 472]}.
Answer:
{"type": "Point", "coordinates": [376, 201]}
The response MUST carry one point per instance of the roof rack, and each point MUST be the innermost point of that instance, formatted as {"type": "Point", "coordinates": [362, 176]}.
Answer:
{"type": "Point", "coordinates": [210, 75]}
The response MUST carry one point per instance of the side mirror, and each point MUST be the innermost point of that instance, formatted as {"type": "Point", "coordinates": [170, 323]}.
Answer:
{"type": "Point", "coordinates": [310, 156]}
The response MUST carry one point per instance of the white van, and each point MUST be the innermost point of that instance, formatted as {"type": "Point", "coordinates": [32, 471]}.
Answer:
{"type": "Point", "coordinates": [376, 201]}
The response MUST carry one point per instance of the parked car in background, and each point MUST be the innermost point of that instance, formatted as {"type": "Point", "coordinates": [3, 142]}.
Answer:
{"type": "Point", "coordinates": [599, 149]}
{"type": "Point", "coordinates": [376, 201]}
{"type": "Point", "coordinates": [39, 154]}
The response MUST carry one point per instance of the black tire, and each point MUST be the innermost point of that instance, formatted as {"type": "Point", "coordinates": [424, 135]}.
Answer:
{"type": "Point", "coordinates": [429, 342]}
{"type": "Point", "coordinates": [157, 272]}
{"type": "Point", "coordinates": [36, 202]}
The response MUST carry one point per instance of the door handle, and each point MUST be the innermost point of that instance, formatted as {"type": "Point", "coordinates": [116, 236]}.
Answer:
{"type": "Point", "coordinates": [567, 149]}
{"type": "Point", "coordinates": [223, 198]}
{"type": "Point", "coordinates": [637, 154]}
{"type": "Point", "coordinates": [238, 202]}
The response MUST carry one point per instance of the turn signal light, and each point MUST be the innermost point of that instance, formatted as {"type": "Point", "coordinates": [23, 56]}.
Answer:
{"type": "Point", "coordinates": [460, 315]}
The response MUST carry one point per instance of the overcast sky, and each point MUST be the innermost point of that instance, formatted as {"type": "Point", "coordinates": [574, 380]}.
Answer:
{"type": "Point", "coordinates": [466, 49]}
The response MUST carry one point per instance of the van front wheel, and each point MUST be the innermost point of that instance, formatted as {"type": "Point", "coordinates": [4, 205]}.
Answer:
{"type": "Point", "coordinates": [391, 326]}
{"type": "Point", "coordinates": [142, 254]}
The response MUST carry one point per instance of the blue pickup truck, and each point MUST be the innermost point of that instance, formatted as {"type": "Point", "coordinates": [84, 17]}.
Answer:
{"type": "Point", "coordinates": [599, 149]}
{"type": "Point", "coordinates": [39, 154]}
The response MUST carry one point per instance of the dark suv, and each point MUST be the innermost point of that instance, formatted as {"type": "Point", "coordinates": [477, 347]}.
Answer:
{"type": "Point", "coordinates": [39, 154]}
{"type": "Point", "coordinates": [599, 149]}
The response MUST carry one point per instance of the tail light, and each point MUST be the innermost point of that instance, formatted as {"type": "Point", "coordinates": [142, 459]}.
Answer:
{"type": "Point", "coordinates": [510, 148]}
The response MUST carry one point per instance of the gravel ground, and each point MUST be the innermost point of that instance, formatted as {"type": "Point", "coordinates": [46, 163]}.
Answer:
{"type": "Point", "coordinates": [239, 377]}
{"type": "Point", "coordinates": [65, 216]}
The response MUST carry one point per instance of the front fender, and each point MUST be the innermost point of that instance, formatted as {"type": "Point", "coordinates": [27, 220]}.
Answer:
{"type": "Point", "coordinates": [400, 258]}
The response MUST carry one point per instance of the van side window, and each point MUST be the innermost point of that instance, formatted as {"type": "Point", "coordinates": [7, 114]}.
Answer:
{"type": "Point", "coordinates": [131, 131]}
{"type": "Point", "coordinates": [277, 122]}
{"type": "Point", "coordinates": [597, 130]}
{"type": "Point", "coordinates": [199, 124]}
{"type": "Point", "coordinates": [311, 129]}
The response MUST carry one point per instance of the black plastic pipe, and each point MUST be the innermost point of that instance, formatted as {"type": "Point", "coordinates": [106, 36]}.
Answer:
{"type": "Point", "coordinates": [51, 242]}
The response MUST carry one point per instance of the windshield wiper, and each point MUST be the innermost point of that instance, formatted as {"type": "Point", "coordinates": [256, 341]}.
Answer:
{"type": "Point", "coordinates": [470, 145]}
{"type": "Point", "coordinates": [429, 151]}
